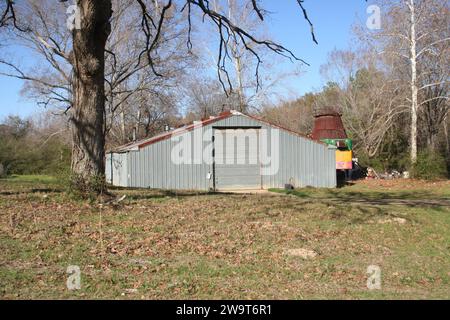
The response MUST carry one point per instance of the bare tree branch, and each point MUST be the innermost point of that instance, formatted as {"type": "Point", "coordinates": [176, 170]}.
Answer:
{"type": "Point", "coordinates": [9, 16]}
{"type": "Point", "coordinates": [305, 15]}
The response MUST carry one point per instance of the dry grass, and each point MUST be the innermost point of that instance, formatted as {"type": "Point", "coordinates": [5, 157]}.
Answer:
{"type": "Point", "coordinates": [165, 245]}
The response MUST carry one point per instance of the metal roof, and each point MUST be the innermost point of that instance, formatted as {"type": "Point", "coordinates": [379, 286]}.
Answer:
{"type": "Point", "coordinates": [136, 145]}
{"type": "Point", "coordinates": [328, 126]}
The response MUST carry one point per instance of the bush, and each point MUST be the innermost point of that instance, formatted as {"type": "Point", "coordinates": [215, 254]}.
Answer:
{"type": "Point", "coordinates": [82, 188]}
{"type": "Point", "coordinates": [430, 165]}
{"type": "Point", "coordinates": [27, 149]}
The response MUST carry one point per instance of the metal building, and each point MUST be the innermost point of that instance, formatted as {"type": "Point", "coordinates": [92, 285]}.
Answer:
{"type": "Point", "coordinates": [230, 151]}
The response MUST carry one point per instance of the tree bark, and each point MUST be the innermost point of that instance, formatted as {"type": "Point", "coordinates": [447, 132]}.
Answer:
{"type": "Point", "coordinates": [88, 117]}
{"type": "Point", "coordinates": [414, 89]}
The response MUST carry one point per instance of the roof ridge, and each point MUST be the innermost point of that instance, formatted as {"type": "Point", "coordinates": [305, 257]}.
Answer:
{"type": "Point", "coordinates": [221, 116]}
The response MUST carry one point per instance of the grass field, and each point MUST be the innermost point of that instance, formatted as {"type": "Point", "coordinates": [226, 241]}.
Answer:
{"type": "Point", "coordinates": [187, 245]}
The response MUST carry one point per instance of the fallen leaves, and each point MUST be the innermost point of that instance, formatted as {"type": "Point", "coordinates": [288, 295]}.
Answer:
{"type": "Point", "coordinates": [229, 246]}
{"type": "Point", "coordinates": [302, 253]}
{"type": "Point", "coordinates": [392, 220]}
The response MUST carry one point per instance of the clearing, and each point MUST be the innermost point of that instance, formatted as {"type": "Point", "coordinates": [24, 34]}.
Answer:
{"type": "Point", "coordinates": [312, 243]}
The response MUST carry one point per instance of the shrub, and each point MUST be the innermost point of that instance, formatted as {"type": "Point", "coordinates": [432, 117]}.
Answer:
{"type": "Point", "coordinates": [82, 188]}
{"type": "Point", "coordinates": [430, 165]}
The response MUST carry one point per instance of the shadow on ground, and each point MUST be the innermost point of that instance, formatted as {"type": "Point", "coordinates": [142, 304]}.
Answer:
{"type": "Point", "coordinates": [140, 194]}
{"type": "Point", "coordinates": [376, 198]}
{"type": "Point", "coordinates": [27, 191]}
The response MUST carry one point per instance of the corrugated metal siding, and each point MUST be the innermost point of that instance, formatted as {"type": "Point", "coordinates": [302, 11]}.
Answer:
{"type": "Point", "coordinates": [152, 167]}
{"type": "Point", "coordinates": [301, 161]}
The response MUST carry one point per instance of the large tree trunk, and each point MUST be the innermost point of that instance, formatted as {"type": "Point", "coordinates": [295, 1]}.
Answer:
{"type": "Point", "coordinates": [414, 89]}
{"type": "Point", "coordinates": [88, 117]}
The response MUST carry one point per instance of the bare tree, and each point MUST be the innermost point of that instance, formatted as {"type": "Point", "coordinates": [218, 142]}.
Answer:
{"type": "Point", "coordinates": [8, 15]}
{"type": "Point", "coordinates": [88, 61]}
{"type": "Point", "coordinates": [254, 81]}
{"type": "Point", "coordinates": [49, 82]}
{"type": "Point", "coordinates": [137, 98]}
{"type": "Point", "coordinates": [415, 31]}
{"type": "Point", "coordinates": [47, 38]}
{"type": "Point", "coordinates": [434, 69]}
{"type": "Point", "coordinates": [296, 115]}
{"type": "Point", "coordinates": [370, 99]}
{"type": "Point", "coordinates": [205, 97]}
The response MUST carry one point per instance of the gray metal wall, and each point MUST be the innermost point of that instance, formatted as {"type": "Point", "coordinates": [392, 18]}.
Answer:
{"type": "Point", "coordinates": [302, 162]}
{"type": "Point", "coordinates": [152, 167]}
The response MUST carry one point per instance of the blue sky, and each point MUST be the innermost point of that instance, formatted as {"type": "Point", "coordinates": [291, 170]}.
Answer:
{"type": "Point", "coordinates": [332, 20]}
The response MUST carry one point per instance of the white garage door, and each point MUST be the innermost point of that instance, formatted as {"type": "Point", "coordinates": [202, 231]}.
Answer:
{"type": "Point", "coordinates": [236, 159]}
